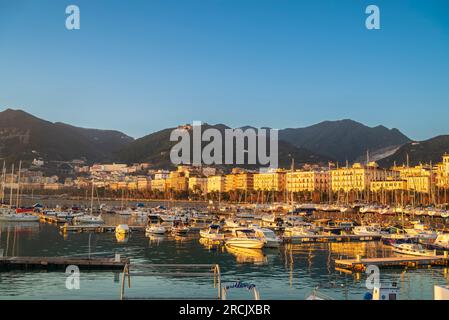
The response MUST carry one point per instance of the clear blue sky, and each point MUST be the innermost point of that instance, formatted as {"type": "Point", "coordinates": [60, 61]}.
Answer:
{"type": "Point", "coordinates": [140, 66]}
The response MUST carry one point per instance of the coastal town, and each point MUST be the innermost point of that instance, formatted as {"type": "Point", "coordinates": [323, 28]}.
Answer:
{"type": "Point", "coordinates": [423, 184]}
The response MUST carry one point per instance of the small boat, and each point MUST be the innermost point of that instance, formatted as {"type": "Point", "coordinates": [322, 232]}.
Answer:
{"type": "Point", "coordinates": [420, 231]}
{"type": "Point", "coordinates": [412, 249]}
{"type": "Point", "coordinates": [18, 217]}
{"type": "Point", "coordinates": [441, 242]}
{"type": "Point", "coordinates": [370, 230]}
{"type": "Point", "coordinates": [212, 233]}
{"type": "Point", "coordinates": [89, 219]}
{"type": "Point", "coordinates": [155, 229]}
{"type": "Point", "coordinates": [300, 229]}
{"type": "Point", "coordinates": [122, 229]}
{"type": "Point", "coordinates": [126, 212]}
{"type": "Point", "coordinates": [245, 238]}
{"type": "Point", "coordinates": [179, 228]}
{"type": "Point", "coordinates": [269, 237]}
{"type": "Point", "coordinates": [232, 223]}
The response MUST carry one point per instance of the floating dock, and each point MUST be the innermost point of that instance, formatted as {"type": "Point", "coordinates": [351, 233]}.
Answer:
{"type": "Point", "coordinates": [361, 264]}
{"type": "Point", "coordinates": [58, 263]}
{"type": "Point", "coordinates": [52, 219]}
{"type": "Point", "coordinates": [331, 238]}
{"type": "Point", "coordinates": [97, 228]}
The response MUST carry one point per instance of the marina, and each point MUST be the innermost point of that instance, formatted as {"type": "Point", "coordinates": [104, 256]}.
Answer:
{"type": "Point", "coordinates": [157, 258]}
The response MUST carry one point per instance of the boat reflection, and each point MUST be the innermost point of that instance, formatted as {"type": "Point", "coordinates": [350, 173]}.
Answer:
{"type": "Point", "coordinates": [122, 237]}
{"type": "Point", "coordinates": [155, 238]}
{"type": "Point", "coordinates": [245, 255]}
{"type": "Point", "coordinates": [211, 244]}
{"type": "Point", "coordinates": [19, 226]}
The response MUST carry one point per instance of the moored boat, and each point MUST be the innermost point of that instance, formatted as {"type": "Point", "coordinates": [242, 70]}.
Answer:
{"type": "Point", "coordinates": [245, 238]}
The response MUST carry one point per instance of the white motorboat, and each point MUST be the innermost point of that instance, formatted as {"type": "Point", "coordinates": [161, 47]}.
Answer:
{"type": "Point", "coordinates": [125, 212]}
{"type": "Point", "coordinates": [420, 231]}
{"type": "Point", "coordinates": [122, 229]}
{"type": "Point", "coordinates": [300, 229]}
{"type": "Point", "coordinates": [12, 216]}
{"type": "Point", "coordinates": [155, 229]}
{"type": "Point", "coordinates": [412, 249]}
{"type": "Point", "coordinates": [269, 237]}
{"type": "Point", "coordinates": [232, 223]}
{"type": "Point", "coordinates": [89, 219]}
{"type": "Point", "coordinates": [369, 230]}
{"type": "Point", "coordinates": [245, 238]}
{"type": "Point", "coordinates": [212, 233]}
{"type": "Point", "coordinates": [441, 242]}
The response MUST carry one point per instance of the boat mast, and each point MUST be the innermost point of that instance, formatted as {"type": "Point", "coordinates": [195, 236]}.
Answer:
{"type": "Point", "coordinates": [3, 182]}
{"type": "Point", "coordinates": [18, 184]}
{"type": "Point", "coordinates": [92, 198]}
{"type": "Point", "coordinates": [11, 185]}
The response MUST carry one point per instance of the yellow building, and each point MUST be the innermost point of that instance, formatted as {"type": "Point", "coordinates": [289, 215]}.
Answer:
{"type": "Point", "coordinates": [216, 183]}
{"type": "Point", "coordinates": [198, 184]}
{"type": "Point", "coordinates": [442, 172]}
{"type": "Point", "coordinates": [270, 181]}
{"type": "Point", "coordinates": [299, 181]}
{"type": "Point", "coordinates": [159, 184]}
{"type": "Point", "coordinates": [418, 177]}
{"type": "Point", "coordinates": [388, 185]}
{"type": "Point", "coordinates": [143, 183]}
{"type": "Point", "coordinates": [357, 177]}
{"type": "Point", "coordinates": [177, 181]}
{"type": "Point", "coordinates": [243, 181]}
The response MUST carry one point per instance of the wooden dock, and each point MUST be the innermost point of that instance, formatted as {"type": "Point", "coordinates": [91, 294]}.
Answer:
{"type": "Point", "coordinates": [96, 228]}
{"type": "Point", "coordinates": [331, 238]}
{"type": "Point", "coordinates": [58, 263]}
{"type": "Point", "coordinates": [360, 265]}
{"type": "Point", "coordinates": [52, 219]}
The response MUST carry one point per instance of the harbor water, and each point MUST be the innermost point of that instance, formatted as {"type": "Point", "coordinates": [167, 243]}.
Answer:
{"type": "Point", "coordinates": [291, 272]}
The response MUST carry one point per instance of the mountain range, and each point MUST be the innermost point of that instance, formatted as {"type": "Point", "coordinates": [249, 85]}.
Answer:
{"type": "Point", "coordinates": [24, 136]}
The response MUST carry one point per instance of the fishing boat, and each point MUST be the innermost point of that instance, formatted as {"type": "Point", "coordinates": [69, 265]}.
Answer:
{"type": "Point", "coordinates": [412, 249]}
{"type": "Point", "coordinates": [269, 237]}
{"type": "Point", "coordinates": [245, 238]}
{"type": "Point", "coordinates": [212, 233]}
{"type": "Point", "coordinates": [122, 229]}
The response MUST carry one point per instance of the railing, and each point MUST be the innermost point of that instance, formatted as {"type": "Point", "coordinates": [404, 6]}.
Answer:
{"type": "Point", "coordinates": [172, 270]}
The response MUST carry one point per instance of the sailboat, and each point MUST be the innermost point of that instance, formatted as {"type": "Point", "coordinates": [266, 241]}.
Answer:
{"type": "Point", "coordinates": [9, 214]}
{"type": "Point", "coordinates": [90, 218]}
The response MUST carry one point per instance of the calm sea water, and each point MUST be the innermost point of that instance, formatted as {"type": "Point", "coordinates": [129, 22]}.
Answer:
{"type": "Point", "coordinates": [290, 272]}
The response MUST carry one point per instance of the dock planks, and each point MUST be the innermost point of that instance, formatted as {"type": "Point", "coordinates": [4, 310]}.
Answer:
{"type": "Point", "coordinates": [331, 238]}
{"type": "Point", "coordinates": [97, 228]}
{"type": "Point", "coordinates": [391, 262]}
{"type": "Point", "coordinates": [58, 263]}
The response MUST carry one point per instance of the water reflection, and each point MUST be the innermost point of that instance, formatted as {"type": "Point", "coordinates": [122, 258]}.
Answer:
{"type": "Point", "coordinates": [245, 255]}
{"type": "Point", "coordinates": [290, 272]}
